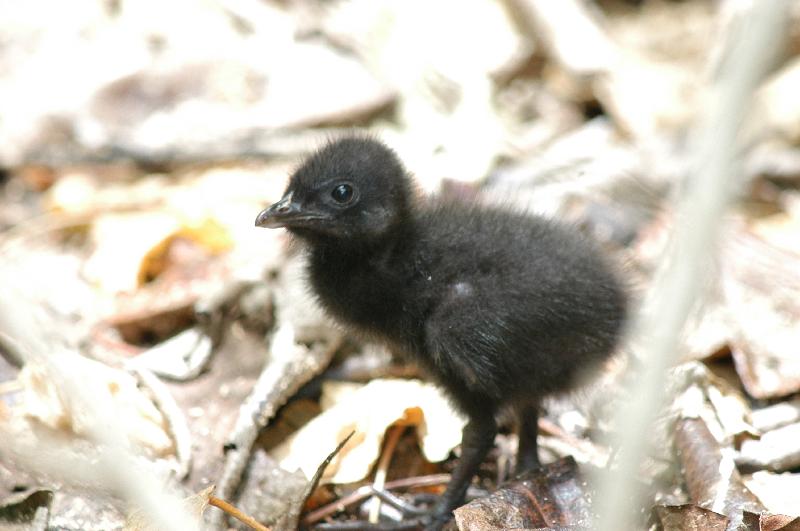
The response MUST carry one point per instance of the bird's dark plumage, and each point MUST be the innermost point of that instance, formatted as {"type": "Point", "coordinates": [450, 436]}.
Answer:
{"type": "Point", "coordinates": [499, 308]}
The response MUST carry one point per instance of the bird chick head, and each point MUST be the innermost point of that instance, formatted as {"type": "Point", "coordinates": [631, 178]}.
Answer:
{"type": "Point", "coordinates": [354, 187]}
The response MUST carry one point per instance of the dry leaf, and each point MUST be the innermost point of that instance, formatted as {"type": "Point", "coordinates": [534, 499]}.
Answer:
{"type": "Point", "coordinates": [761, 285]}
{"type": "Point", "coordinates": [370, 409]}
{"type": "Point", "coordinates": [554, 495]}
{"type": "Point", "coordinates": [776, 415]}
{"type": "Point", "coordinates": [780, 493]}
{"type": "Point", "coordinates": [777, 102]}
{"type": "Point", "coordinates": [770, 522]}
{"type": "Point", "coordinates": [122, 245]}
{"type": "Point", "coordinates": [704, 395]}
{"type": "Point", "coordinates": [195, 505]}
{"type": "Point", "coordinates": [45, 404]}
{"type": "Point", "coordinates": [776, 450]}
{"type": "Point", "coordinates": [709, 471]}
{"type": "Point", "coordinates": [689, 517]}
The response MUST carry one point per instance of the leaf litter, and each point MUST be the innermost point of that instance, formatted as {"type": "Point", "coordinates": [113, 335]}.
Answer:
{"type": "Point", "coordinates": [127, 220]}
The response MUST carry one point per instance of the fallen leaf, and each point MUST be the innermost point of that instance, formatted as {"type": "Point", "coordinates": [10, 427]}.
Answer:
{"type": "Point", "coordinates": [123, 243]}
{"type": "Point", "coordinates": [45, 404]}
{"type": "Point", "coordinates": [776, 450]}
{"type": "Point", "coordinates": [710, 472]}
{"type": "Point", "coordinates": [370, 409]}
{"type": "Point", "coordinates": [554, 495]}
{"type": "Point", "coordinates": [195, 505]}
{"type": "Point", "coordinates": [777, 105]}
{"type": "Point", "coordinates": [770, 522]}
{"type": "Point", "coordinates": [762, 285]}
{"type": "Point", "coordinates": [689, 518]}
{"type": "Point", "coordinates": [22, 508]}
{"type": "Point", "coordinates": [778, 492]}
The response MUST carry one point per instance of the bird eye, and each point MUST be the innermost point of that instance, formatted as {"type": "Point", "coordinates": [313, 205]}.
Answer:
{"type": "Point", "coordinates": [342, 193]}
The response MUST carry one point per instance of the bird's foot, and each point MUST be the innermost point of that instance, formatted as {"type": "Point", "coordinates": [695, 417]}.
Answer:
{"type": "Point", "coordinates": [434, 521]}
{"type": "Point", "coordinates": [526, 465]}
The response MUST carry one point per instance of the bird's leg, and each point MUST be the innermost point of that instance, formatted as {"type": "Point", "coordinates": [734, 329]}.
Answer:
{"type": "Point", "coordinates": [528, 451]}
{"type": "Point", "coordinates": [477, 438]}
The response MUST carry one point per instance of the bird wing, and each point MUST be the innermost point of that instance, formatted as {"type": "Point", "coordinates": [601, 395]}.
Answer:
{"type": "Point", "coordinates": [467, 340]}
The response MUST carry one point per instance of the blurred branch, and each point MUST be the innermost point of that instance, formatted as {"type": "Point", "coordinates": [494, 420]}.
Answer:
{"type": "Point", "coordinates": [750, 45]}
{"type": "Point", "coordinates": [249, 144]}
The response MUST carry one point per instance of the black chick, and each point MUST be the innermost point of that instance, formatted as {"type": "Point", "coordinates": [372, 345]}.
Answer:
{"type": "Point", "coordinates": [499, 308]}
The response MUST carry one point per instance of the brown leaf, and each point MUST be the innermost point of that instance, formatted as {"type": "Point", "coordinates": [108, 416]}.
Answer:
{"type": "Point", "coordinates": [553, 496]}
{"type": "Point", "coordinates": [369, 410]}
{"type": "Point", "coordinates": [194, 505]}
{"type": "Point", "coordinates": [762, 288]}
{"type": "Point", "coordinates": [778, 492]}
{"type": "Point", "coordinates": [776, 450]}
{"type": "Point", "coordinates": [21, 509]}
{"type": "Point", "coordinates": [689, 517]}
{"type": "Point", "coordinates": [711, 476]}
{"type": "Point", "coordinates": [46, 405]}
{"type": "Point", "coordinates": [770, 522]}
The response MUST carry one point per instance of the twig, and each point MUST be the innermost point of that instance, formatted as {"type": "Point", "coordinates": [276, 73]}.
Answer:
{"type": "Point", "coordinates": [286, 371]}
{"type": "Point", "coordinates": [419, 481]}
{"type": "Point", "coordinates": [236, 513]}
{"type": "Point", "coordinates": [338, 505]}
{"type": "Point", "coordinates": [249, 144]}
{"type": "Point", "coordinates": [364, 526]}
{"type": "Point", "coordinates": [367, 490]}
{"type": "Point", "coordinates": [398, 503]}
{"type": "Point", "coordinates": [383, 466]}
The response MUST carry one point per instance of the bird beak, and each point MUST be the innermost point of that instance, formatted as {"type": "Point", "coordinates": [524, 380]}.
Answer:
{"type": "Point", "coordinates": [281, 214]}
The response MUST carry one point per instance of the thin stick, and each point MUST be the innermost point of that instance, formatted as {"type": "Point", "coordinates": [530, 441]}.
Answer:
{"type": "Point", "coordinates": [364, 526]}
{"type": "Point", "coordinates": [279, 380]}
{"type": "Point", "coordinates": [236, 513]}
{"type": "Point", "coordinates": [418, 481]}
{"type": "Point", "coordinates": [367, 490]}
{"type": "Point", "coordinates": [383, 466]}
{"type": "Point", "coordinates": [339, 505]}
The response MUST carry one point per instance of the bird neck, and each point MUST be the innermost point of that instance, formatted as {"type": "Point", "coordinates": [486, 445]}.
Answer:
{"type": "Point", "coordinates": [390, 241]}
